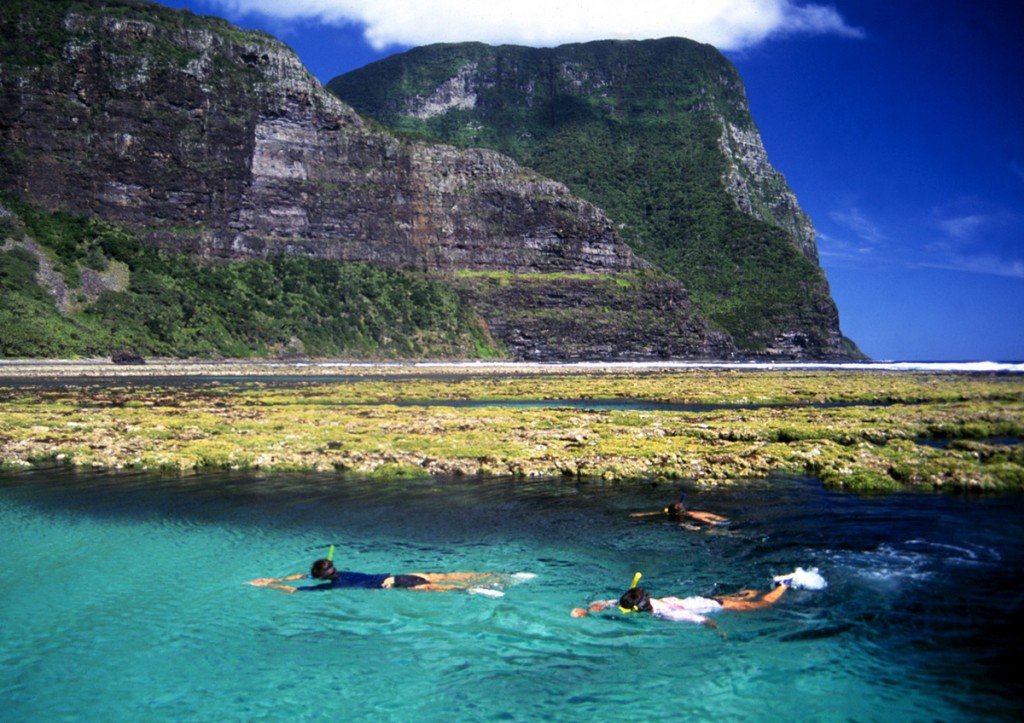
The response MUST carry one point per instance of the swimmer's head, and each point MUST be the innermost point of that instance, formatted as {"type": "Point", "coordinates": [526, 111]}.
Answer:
{"type": "Point", "coordinates": [323, 570]}
{"type": "Point", "coordinates": [675, 510]}
{"type": "Point", "coordinates": [635, 600]}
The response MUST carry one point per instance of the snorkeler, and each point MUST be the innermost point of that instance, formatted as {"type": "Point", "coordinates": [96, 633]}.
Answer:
{"type": "Point", "coordinates": [323, 569]}
{"type": "Point", "coordinates": [677, 511]}
{"type": "Point", "coordinates": [695, 609]}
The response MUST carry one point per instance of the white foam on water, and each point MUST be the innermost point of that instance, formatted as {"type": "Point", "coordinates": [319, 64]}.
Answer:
{"type": "Point", "coordinates": [802, 579]}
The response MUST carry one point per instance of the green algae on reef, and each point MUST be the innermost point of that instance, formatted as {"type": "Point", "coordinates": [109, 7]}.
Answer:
{"type": "Point", "coordinates": [852, 429]}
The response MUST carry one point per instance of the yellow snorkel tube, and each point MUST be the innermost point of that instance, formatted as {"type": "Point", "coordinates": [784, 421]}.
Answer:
{"type": "Point", "coordinates": [330, 554]}
{"type": "Point", "coordinates": [636, 579]}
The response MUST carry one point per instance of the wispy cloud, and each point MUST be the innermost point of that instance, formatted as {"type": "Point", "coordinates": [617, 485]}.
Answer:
{"type": "Point", "coordinates": [963, 227]}
{"type": "Point", "coordinates": [987, 264]}
{"type": "Point", "coordinates": [726, 24]}
{"type": "Point", "coordinates": [967, 237]}
{"type": "Point", "coordinates": [980, 242]}
{"type": "Point", "coordinates": [853, 219]}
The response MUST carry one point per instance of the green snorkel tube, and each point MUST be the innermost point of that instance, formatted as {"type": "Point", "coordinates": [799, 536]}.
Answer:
{"type": "Point", "coordinates": [636, 579]}
{"type": "Point", "coordinates": [330, 558]}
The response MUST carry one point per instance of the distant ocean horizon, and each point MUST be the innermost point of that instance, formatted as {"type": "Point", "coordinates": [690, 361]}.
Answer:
{"type": "Point", "coordinates": [277, 367]}
{"type": "Point", "coordinates": [936, 366]}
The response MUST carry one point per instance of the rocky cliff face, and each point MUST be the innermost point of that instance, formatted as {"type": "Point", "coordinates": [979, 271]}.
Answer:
{"type": "Point", "coordinates": [214, 141]}
{"type": "Point", "coordinates": [761, 191]}
{"type": "Point", "coordinates": [659, 135]}
{"type": "Point", "coordinates": [632, 317]}
{"type": "Point", "coordinates": [482, 80]}
{"type": "Point", "coordinates": [217, 141]}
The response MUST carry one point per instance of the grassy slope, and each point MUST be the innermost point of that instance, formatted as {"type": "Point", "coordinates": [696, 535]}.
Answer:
{"type": "Point", "coordinates": [173, 305]}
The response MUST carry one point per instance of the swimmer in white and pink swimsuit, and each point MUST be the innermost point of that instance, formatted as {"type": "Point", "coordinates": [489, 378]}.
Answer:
{"type": "Point", "coordinates": [690, 609]}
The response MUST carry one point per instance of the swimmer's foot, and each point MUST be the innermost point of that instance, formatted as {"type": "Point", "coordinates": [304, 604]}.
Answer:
{"type": "Point", "coordinates": [786, 579]}
{"type": "Point", "coordinates": [485, 591]}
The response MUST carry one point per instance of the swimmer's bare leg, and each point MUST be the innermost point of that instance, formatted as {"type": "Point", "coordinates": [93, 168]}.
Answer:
{"type": "Point", "coordinates": [461, 579]}
{"type": "Point", "coordinates": [743, 600]}
{"type": "Point", "coordinates": [431, 587]}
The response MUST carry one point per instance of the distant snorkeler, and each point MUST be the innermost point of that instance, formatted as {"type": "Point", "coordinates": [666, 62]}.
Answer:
{"type": "Point", "coordinates": [695, 609]}
{"type": "Point", "coordinates": [485, 583]}
{"type": "Point", "coordinates": [691, 519]}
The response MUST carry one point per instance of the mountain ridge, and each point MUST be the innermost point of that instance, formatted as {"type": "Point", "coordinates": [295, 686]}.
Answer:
{"type": "Point", "coordinates": [659, 135]}
{"type": "Point", "coordinates": [192, 138]}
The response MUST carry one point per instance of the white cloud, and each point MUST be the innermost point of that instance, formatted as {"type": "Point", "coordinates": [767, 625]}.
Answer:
{"type": "Point", "coordinates": [726, 24]}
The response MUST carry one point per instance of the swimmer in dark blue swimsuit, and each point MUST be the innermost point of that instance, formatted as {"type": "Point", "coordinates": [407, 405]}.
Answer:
{"type": "Point", "coordinates": [332, 579]}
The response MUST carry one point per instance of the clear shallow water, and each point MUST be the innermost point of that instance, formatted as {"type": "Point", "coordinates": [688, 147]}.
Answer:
{"type": "Point", "coordinates": [121, 598]}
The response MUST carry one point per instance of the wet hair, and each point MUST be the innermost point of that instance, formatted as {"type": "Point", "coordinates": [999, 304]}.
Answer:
{"type": "Point", "coordinates": [676, 510]}
{"type": "Point", "coordinates": [636, 598]}
{"type": "Point", "coordinates": [323, 570]}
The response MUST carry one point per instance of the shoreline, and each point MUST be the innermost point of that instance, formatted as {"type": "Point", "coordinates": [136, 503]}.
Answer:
{"type": "Point", "coordinates": [62, 368]}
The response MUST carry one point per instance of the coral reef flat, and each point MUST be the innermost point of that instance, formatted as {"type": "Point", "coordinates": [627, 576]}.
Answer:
{"type": "Point", "coordinates": [853, 428]}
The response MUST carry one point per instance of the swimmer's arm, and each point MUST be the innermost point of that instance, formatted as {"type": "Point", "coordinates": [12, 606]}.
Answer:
{"type": "Point", "coordinates": [709, 623]}
{"type": "Point", "coordinates": [647, 514]}
{"type": "Point", "coordinates": [594, 607]}
{"type": "Point", "coordinates": [272, 581]}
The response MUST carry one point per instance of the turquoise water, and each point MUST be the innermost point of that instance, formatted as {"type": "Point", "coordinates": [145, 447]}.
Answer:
{"type": "Point", "coordinates": [122, 598]}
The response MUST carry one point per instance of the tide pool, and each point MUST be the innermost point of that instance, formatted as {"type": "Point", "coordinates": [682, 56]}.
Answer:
{"type": "Point", "coordinates": [122, 597]}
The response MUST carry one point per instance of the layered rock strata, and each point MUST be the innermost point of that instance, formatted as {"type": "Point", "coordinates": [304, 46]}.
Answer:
{"type": "Point", "coordinates": [219, 142]}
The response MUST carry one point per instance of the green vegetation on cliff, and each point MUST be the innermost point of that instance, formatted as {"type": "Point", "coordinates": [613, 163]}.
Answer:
{"type": "Point", "coordinates": [636, 128]}
{"type": "Point", "coordinates": [186, 134]}
{"type": "Point", "coordinates": [120, 295]}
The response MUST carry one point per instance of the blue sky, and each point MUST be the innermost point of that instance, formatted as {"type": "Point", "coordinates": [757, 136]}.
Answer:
{"type": "Point", "coordinates": [898, 123]}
